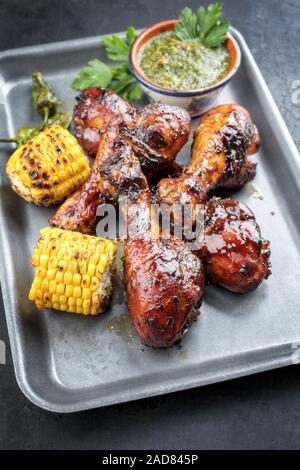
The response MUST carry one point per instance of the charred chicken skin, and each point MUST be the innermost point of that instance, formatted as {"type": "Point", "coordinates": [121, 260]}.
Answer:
{"type": "Point", "coordinates": [95, 108]}
{"type": "Point", "coordinates": [233, 253]}
{"type": "Point", "coordinates": [158, 131]}
{"type": "Point", "coordinates": [222, 141]}
{"type": "Point", "coordinates": [78, 212]}
{"type": "Point", "coordinates": [155, 134]}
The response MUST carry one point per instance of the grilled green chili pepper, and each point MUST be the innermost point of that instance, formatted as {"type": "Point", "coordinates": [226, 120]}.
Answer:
{"type": "Point", "coordinates": [62, 119]}
{"type": "Point", "coordinates": [45, 102]}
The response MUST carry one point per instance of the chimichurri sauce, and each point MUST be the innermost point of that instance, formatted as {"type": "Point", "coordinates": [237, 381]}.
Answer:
{"type": "Point", "coordinates": [172, 63]}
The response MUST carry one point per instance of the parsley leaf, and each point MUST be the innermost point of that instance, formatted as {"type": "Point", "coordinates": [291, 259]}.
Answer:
{"type": "Point", "coordinates": [205, 25]}
{"type": "Point", "coordinates": [131, 34]}
{"type": "Point", "coordinates": [125, 84]}
{"type": "Point", "coordinates": [187, 28]}
{"type": "Point", "coordinates": [96, 73]}
{"type": "Point", "coordinates": [118, 79]}
{"type": "Point", "coordinates": [217, 35]}
{"type": "Point", "coordinates": [116, 48]}
{"type": "Point", "coordinates": [207, 20]}
{"type": "Point", "coordinates": [121, 78]}
{"type": "Point", "coordinates": [134, 92]}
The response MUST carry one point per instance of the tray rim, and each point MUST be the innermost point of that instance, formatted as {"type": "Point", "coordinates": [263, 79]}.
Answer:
{"type": "Point", "coordinates": [137, 392]}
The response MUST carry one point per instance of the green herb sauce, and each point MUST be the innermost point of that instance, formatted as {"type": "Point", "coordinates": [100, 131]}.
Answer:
{"type": "Point", "coordinates": [172, 63]}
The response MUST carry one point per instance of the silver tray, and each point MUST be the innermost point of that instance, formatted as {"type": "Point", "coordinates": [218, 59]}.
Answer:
{"type": "Point", "coordinates": [67, 363]}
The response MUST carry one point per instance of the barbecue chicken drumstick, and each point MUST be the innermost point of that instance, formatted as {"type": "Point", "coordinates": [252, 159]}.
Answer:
{"type": "Point", "coordinates": [222, 141]}
{"type": "Point", "coordinates": [164, 280]}
{"type": "Point", "coordinates": [155, 133]}
{"type": "Point", "coordinates": [233, 253]}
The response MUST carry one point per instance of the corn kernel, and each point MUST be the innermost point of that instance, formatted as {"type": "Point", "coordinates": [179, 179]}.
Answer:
{"type": "Point", "coordinates": [62, 299]}
{"type": "Point", "coordinates": [68, 278]}
{"type": "Point", "coordinates": [94, 258]}
{"type": "Point", "coordinates": [52, 263]}
{"type": "Point", "coordinates": [60, 289]}
{"type": "Point", "coordinates": [44, 260]}
{"type": "Point", "coordinates": [86, 303]}
{"type": "Point", "coordinates": [52, 287]}
{"type": "Point", "coordinates": [55, 298]}
{"type": "Point", "coordinates": [76, 279]}
{"type": "Point", "coordinates": [62, 265]}
{"type": "Point", "coordinates": [86, 293]}
{"type": "Point", "coordinates": [77, 292]}
{"type": "Point", "coordinates": [94, 283]}
{"type": "Point", "coordinates": [38, 282]}
{"type": "Point", "coordinates": [45, 284]}
{"type": "Point", "coordinates": [85, 281]}
{"type": "Point", "coordinates": [69, 291]}
{"type": "Point", "coordinates": [82, 267]}
{"type": "Point", "coordinates": [41, 272]}
{"type": "Point", "coordinates": [72, 301]}
{"type": "Point", "coordinates": [47, 297]}
{"type": "Point", "coordinates": [59, 277]}
{"type": "Point", "coordinates": [51, 274]}
{"type": "Point", "coordinates": [72, 267]}
{"type": "Point", "coordinates": [91, 270]}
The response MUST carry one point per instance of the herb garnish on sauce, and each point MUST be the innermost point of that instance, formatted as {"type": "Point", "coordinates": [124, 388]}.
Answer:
{"type": "Point", "coordinates": [207, 26]}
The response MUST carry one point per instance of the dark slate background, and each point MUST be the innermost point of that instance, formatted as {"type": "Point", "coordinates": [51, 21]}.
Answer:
{"type": "Point", "coordinates": [261, 411]}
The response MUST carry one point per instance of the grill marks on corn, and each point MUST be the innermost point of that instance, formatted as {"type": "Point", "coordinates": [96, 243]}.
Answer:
{"type": "Point", "coordinates": [49, 167]}
{"type": "Point", "coordinates": [73, 272]}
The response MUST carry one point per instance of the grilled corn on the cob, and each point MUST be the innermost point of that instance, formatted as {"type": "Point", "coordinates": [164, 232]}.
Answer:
{"type": "Point", "coordinates": [73, 271]}
{"type": "Point", "coordinates": [48, 168]}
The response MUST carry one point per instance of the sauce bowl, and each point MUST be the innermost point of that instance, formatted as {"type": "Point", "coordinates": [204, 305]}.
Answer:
{"type": "Point", "coordinates": [195, 102]}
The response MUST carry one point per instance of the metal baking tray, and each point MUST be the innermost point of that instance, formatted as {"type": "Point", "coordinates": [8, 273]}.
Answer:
{"type": "Point", "coordinates": [65, 362]}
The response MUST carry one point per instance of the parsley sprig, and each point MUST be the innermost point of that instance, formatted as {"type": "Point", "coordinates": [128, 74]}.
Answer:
{"type": "Point", "coordinates": [118, 78]}
{"type": "Point", "coordinates": [206, 25]}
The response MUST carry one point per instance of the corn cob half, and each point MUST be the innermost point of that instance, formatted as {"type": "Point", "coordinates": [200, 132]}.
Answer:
{"type": "Point", "coordinates": [48, 168]}
{"type": "Point", "coordinates": [73, 271]}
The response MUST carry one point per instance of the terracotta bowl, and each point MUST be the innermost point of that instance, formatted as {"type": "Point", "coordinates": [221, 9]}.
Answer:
{"type": "Point", "coordinates": [195, 102]}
